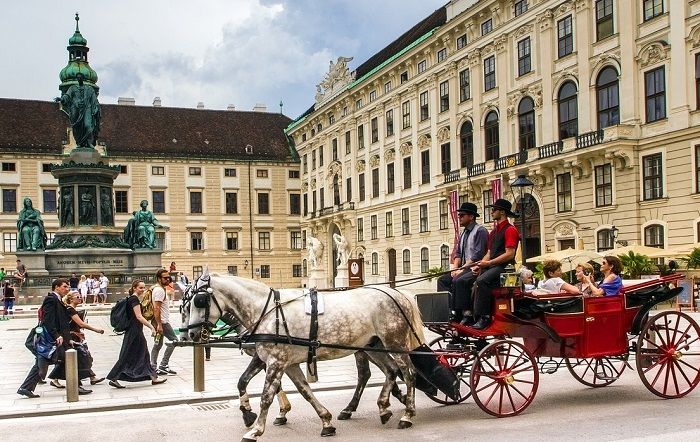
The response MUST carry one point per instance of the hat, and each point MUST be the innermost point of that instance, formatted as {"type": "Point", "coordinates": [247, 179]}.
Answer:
{"type": "Point", "coordinates": [468, 208]}
{"type": "Point", "coordinates": [504, 205]}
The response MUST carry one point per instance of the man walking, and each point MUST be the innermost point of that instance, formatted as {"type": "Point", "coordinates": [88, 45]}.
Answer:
{"type": "Point", "coordinates": [502, 245]}
{"type": "Point", "coordinates": [55, 321]}
{"type": "Point", "coordinates": [161, 309]}
{"type": "Point", "coordinates": [104, 282]}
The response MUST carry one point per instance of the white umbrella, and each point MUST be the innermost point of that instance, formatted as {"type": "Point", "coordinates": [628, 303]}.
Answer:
{"type": "Point", "coordinates": [569, 258]}
{"type": "Point", "coordinates": [649, 252]}
{"type": "Point", "coordinates": [684, 250]}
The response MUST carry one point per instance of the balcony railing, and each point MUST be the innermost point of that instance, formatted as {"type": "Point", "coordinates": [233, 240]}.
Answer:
{"type": "Point", "coordinates": [589, 139]}
{"type": "Point", "coordinates": [510, 160]}
{"type": "Point", "coordinates": [332, 209]}
{"type": "Point", "coordinates": [452, 176]}
{"type": "Point", "coordinates": [476, 169]}
{"type": "Point", "coordinates": [551, 149]}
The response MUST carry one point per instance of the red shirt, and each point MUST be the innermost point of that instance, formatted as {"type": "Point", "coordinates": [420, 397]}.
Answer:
{"type": "Point", "coordinates": [512, 237]}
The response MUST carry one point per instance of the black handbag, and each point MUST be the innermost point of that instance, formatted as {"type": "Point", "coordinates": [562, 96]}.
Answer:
{"type": "Point", "coordinates": [29, 342]}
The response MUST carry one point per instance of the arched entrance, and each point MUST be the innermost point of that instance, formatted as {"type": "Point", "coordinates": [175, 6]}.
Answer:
{"type": "Point", "coordinates": [530, 231]}
{"type": "Point", "coordinates": [391, 266]}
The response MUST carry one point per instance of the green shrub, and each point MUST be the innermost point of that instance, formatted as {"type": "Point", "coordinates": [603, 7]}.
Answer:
{"type": "Point", "coordinates": [634, 265]}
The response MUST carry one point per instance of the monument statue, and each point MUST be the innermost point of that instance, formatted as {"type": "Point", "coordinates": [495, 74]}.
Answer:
{"type": "Point", "coordinates": [83, 110]}
{"type": "Point", "coordinates": [140, 230]}
{"type": "Point", "coordinates": [30, 228]}
{"type": "Point", "coordinates": [66, 207]}
{"type": "Point", "coordinates": [88, 215]}
{"type": "Point", "coordinates": [315, 249]}
{"type": "Point", "coordinates": [106, 208]}
{"type": "Point", "coordinates": [341, 246]}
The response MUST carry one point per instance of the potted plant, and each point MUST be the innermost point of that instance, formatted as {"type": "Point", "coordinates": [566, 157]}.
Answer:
{"type": "Point", "coordinates": [634, 265]}
{"type": "Point", "coordinates": [692, 261]}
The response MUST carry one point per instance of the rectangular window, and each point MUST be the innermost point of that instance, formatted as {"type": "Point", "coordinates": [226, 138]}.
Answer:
{"type": "Point", "coordinates": [348, 144]}
{"type": "Point", "coordinates": [697, 170]}
{"type": "Point", "coordinates": [263, 173]}
{"type": "Point", "coordinates": [9, 242]}
{"type": "Point", "coordinates": [442, 55]}
{"type": "Point", "coordinates": [123, 169]}
{"type": "Point", "coordinates": [653, 179]}
{"type": "Point", "coordinates": [407, 173]}
{"type": "Point", "coordinates": [320, 157]}
{"type": "Point", "coordinates": [264, 203]}
{"type": "Point", "coordinates": [375, 183]}
{"type": "Point", "coordinates": [321, 197]}
{"type": "Point", "coordinates": [158, 201]}
{"type": "Point", "coordinates": [603, 185]}
{"type": "Point", "coordinates": [375, 263]}
{"type": "Point", "coordinates": [564, 192]}
{"type": "Point", "coordinates": [489, 73]}
{"type": "Point", "coordinates": [46, 168]}
{"type": "Point", "coordinates": [313, 159]}
{"type": "Point", "coordinates": [390, 178]}
{"type": "Point", "coordinates": [486, 27]}
{"type": "Point", "coordinates": [565, 36]}
{"type": "Point", "coordinates": [372, 96]}
{"type": "Point", "coordinates": [358, 104]}
{"type": "Point", "coordinates": [306, 204]}
{"type": "Point", "coordinates": [390, 122]}
{"type": "Point", "coordinates": [265, 271]}
{"type": "Point", "coordinates": [524, 60]}
{"type": "Point", "coordinates": [424, 260]}
{"type": "Point", "coordinates": [373, 227]}
{"type": "Point", "coordinates": [232, 270]}
{"type": "Point", "coordinates": [405, 221]}
{"type": "Point", "coordinates": [331, 119]}
{"type": "Point", "coordinates": [445, 160]}
{"type": "Point", "coordinates": [195, 202]}
{"type": "Point", "coordinates": [305, 164]}
{"type": "Point", "coordinates": [292, 174]}
{"type": "Point", "coordinates": [374, 126]}
{"type": "Point", "coordinates": [360, 229]}
{"type": "Point", "coordinates": [313, 200]}
{"type": "Point", "coordinates": [231, 240]}
{"type": "Point", "coordinates": [423, 106]}
{"type": "Point", "coordinates": [334, 149]}
{"type": "Point", "coordinates": [231, 202]}
{"type": "Point", "coordinates": [230, 172]}
{"type": "Point", "coordinates": [196, 241]}
{"type": "Point", "coordinates": [387, 87]}
{"type": "Point", "coordinates": [348, 189]}
{"type": "Point", "coordinates": [361, 136]}
{"type": "Point", "coordinates": [296, 270]}
{"type": "Point", "coordinates": [197, 271]}
{"type": "Point", "coordinates": [655, 93]}
{"type": "Point", "coordinates": [389, 232]}
{"type": "Point", "coordinates": [653, 8]}
{"type": "Point", "coordinates": [425, 166]}
{"type": "Point", "coordinates": [121, 198]}
{"type": "Point", "coordinates": [195, 171]}
{"type": "Point", "coordinates": [444, 215]}
{"type": "Point", "coordinates": [423, 218]}
{"type": "Point", "coordinates": [264, 240]}
{"type": "Point", "coordinates": [405, 114]}
{"type": "Point", "coordinates": [422, 66]}
{"type": "Point", "coordinates": [444, 96]}
{"type": "Point", "coordinates": [604, 18]}
{"type": "Point", "coordinates": [157, 170]}
{"type": "Point", "coordinates": [9, 167]}
{"type": "Point", "coordinates": [295, 239]}
{"type": "Point", "coordinates": [294, 204]}
{"type": "Point", "coordinates": [404, 77]}
{"type": "Point", "coordinates": [488, 200]}
{"type": "Point", "coordinates": [461, 41]}
{"type": "Point", "coordinates": [49, 197]}
{"type": "Point", "coordinates": [361, 186]}
{"type": "Point", "coordinates": [520, 7]}
{"type": "Point", "coordinates": [464, 85]}
{"type": "Point", "coordinates": [406, 255]}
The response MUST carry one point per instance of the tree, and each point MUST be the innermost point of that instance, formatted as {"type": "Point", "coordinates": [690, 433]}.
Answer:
{"type": "Point", "coordinates": [692, 261]}
{"type": "Point", "coordinates": [635, 265]}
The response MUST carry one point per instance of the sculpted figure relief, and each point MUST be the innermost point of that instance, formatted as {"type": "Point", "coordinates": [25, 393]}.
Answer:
{"type": "Point", "coordinates": [315, 249]}
{"type": "Point", "coordinates": [140, 231]}
{"type": "Point", "coordinates": [341, 245]}
{"type": "Point", "coordinates": [106, 207]}
{"type": "Point", "coordinates": [30, 228]}
{"type": "Point", "coordinates": [83, 110]}
{"type": "Point", "coordinates": [66, 207]}
{"type": "Point", "coordinates": [87, 208]}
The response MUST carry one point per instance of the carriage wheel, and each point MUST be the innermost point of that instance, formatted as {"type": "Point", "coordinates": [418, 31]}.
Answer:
{"type": "Point", "coordinates": [597, 372]}
{"type": "Point", "coordinates": [458, 358]}
{"type": "Point", "coordinates": [504, 378]}
{"type": "Point", "coordinates": [668, 354]}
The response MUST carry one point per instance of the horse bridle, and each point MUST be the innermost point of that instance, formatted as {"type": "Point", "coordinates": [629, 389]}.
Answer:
{"type": "Point", "coordinates": [201, 298]}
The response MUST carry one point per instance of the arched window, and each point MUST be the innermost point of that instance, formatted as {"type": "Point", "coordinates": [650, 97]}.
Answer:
{"type": "Point", "coordinates": [568, 111]}
{"type": "Point", "coordinates": [607, 87]}
{"type": "Point", "coordinates": [605, 240]}
{"type": "Point", "coordinates": [406, 261]}
{"type": "Point", "coordinates": [491, 135]}
{"type": "Point", "coordinates": [654, 236]}
{"type": "Point", "coordinates": [424, 261]}
{"type": "Point", "coordinates": [375, 263]}
{"type": "Point", "coordinates": [466, 135]}
{"type": "Point", "coordinates": [526, 123]}
{"type": "Point", "coordinates": [445, 257]}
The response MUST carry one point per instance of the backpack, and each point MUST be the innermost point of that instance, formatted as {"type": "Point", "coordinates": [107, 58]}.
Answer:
{"type": "Point", "coordinates": [147, 305]}
{"type": "Point", "coordinates": [119, 317]}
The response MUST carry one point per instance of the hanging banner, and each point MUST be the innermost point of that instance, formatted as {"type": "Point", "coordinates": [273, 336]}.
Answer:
{"type": "Point", "coordinates": [454, 201]}
{"type": "Point", "coordinates": [496, 188]}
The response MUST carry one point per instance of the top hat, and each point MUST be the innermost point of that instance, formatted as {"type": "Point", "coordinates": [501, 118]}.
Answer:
{"type": "Point", "coordinates": [468, 208]}
{"type": "Point", "coordinates": [504, 205]}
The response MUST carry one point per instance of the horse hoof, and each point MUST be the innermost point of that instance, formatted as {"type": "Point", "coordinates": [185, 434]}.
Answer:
{"type": "Point", "coordinates": [404, 424]}
{"type": "Point", "coordinates": [249, 418]}
{"type": "Point", "coordinates": [344, 415]}
{"type": "Point", "coordinates": [328, 431]}
{"type": "Point", "coordinates": [385, 417]}
{"type": "Point", "coordinates": [280, 421]}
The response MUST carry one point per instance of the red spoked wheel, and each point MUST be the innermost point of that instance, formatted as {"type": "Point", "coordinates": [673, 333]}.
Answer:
{"type": "Point", "coordinates": [597, 372]}
{"type": "Point", "coordinates": [668, 354]}
{"type": "Point", "coordinates": [504, 378]}
{"type": "Point", "coordinates": [453, 352]}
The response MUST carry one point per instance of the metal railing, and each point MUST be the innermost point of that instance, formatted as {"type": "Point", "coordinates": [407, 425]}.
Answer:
{"type": "Point", "coordinates": [551, 149]}
{"type": "Point", "coordinates": [476, 169]}
{"type": "Point", "coordinates": [589, 139]}
{"type": "Point", "coordinates": [510, 160]}
{"type": "Point", "coordinates": [452, 176]}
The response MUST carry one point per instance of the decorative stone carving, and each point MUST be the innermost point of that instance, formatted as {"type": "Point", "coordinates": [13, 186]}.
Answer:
{"type": "Point", "coordinates": [565, 229]}
{"type": "Point", "coordinates": [486, 50]}
{"type": "Point", "coordinates": [405, 148]}
{"type": "Point", "coordinates": [374, 161]}
{"type": "Point", "coordinates": [360, 167]}
{"type": "Point", "coordinates": [653, 53]}
{"type": "Point", "coordinates": [475, 58]}
{"type": "Point", "coordinates": [304, 186]}
{"type": "Point", "coordinates": [334, 169]}
{"type": "Point", "coordinates": [694, 37]}
{"type": "Point", "coordinates": [335, 81]}
{"type": "Point", "coordinates": [389, 155]}
{"type": "Point", "coordinates": [500, 43]}
{"type": "Point", "coordinates": [523, 30]}
{"type": "Point", "coordinates": [545, 20]}
{"type": "Point", "coordinates": [536, 92]}
{"type": "Point", "coordinates": [622, 156]}
{"type": "Point", "coordinates": [423, 141]}
{"type": "Point", "coordinates": [313, 183]}
{"type": "Point", "coordinates": [581, 5]}
{"type": "Point", "coordinates": [563, 9]}
{"type": "Point", "coordinates": [443, 134]}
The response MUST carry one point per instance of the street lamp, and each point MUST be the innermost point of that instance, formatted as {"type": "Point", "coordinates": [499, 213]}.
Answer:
{"type": "Point", "coordinates": [614, 231]}
{"type": "Point", "coordinates": [524, 186]}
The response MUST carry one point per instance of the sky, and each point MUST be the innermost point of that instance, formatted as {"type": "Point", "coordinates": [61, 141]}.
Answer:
{"type": "Point", "coordinates": [218, 52]}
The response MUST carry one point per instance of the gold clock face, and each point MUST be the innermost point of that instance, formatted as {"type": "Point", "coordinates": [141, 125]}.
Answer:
{"type": "Point", "coordinates": [354, 268]}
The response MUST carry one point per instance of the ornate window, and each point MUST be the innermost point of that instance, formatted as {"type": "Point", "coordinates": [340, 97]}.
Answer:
{"type": "Point", "coordinates": [423, 218]}
{"type": "Point", "coordinates": [605, 240]}
{"type": "Point", "coordinates": [390, 179]}
{"type": "Point", "coordinates": [466, 137]}
{"type": "Point", "coordinates": [652, 175]}
{"type": "Point", "coordinates": [565, 36]}
{"type": "Point", "coordinates": [445, 257]}
{"type": "Point", "coordinates": [654, 236]}
{"type": "Point", "coordinates": [489, 73]}
{"type": "Point", "coordinates": [564, 192]}
{"type": "Point", "coordinates": [603, 185]}
{"type": "Point", "coordinates": [423, 106]}
{"type": "Point", "coordinates": [375, 263]}
{"type": "Point", "coordinates": [526, 123]}
{"type": "Point", "coordinates": [464, 85]}
{"type": "Point", "coordinates": [524, 58]}
{"type": "Point", "coordinates": [604, 18]}
{"type": "Point", "coordinates": [568, 110]}
{"type": "Point", "coordinates": [406, 261]}
{"type": "Point", "coordinates": [389, 230]}
{"type": "Point", "coordinates": [655, 93]}
{"type": "Point", "coordinates": [444, 96]}
{"type": "Point", "coordinates": [608, 98]}
{"type": "Point", "coordinates": [425, 166]}
{"type": "Point", "coordinates": [405, 221]}
{"type": "Point", "coordinates": [407, 173]}
{"type": "Point", "coordinates": [424, 260]}
{"type": "Point", "coordinates": [491, 136]}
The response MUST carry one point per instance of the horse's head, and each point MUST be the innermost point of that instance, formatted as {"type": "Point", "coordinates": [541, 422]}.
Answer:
{"type": "Point", "coordinates": [200, 310]}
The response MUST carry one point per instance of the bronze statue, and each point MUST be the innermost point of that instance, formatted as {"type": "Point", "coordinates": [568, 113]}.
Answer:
{"type": "Point", "coordinates": [106, 208]}
{"type": "Point", "coordinates": [83, 110]}
{"type": "Point", "coordinates": [67, 207]}
{"type": "Point", "coordinates": [140, 232]}
{"type": "Point", "coordinates": [87, 209]}
{"type": "Point", "coordinates": [30, 228]}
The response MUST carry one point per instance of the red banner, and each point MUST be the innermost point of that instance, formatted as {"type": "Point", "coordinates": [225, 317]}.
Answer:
{"type": "Point", "coordinates": [496, 188]}
{"type": "Point", "coordinates": [454, 201]}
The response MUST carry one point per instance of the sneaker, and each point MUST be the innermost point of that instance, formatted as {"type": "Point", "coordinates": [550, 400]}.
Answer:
{"type": "Point", "coordinates": [166, 370]}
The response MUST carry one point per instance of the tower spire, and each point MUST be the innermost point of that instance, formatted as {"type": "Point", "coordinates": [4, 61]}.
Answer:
{"type": "Point", "coordinates": [77, 61]}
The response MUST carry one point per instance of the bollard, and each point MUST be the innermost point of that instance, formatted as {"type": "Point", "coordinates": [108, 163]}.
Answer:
{"type": "Point", "coordinates": [71, 365]}
{"type": "Point", "coordinates": [198, 362]}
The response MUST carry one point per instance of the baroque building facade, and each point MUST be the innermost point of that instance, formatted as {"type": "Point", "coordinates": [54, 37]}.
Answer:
{"type": "Point", "coordinates": [596, 102]}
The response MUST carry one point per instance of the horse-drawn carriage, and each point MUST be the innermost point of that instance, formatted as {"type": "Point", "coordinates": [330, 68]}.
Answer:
{"type": "Point", "coordinates": [593, 337]}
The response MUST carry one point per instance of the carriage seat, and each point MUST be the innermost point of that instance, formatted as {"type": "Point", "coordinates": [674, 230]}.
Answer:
{"type": "Point", "coordinates": [530, 308]}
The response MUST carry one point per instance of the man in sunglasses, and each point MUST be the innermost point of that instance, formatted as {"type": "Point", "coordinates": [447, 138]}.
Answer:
{"type": "Point", "coordinates": [162, 299]}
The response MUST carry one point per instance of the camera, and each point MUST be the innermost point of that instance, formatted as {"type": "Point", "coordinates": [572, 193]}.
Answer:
{"type": "Point", "coordinates": [586, 272]}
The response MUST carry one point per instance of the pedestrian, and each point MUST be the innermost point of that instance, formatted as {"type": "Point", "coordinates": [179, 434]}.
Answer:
{"type": "Point", "coordinates": [20, 273]}
{"type": "Point", "coordinates": [8, 294]}
{"type": "Point", "coordinates": [54, 319]}
{"type": "Point", "coordinates": [72, 300]}
{"type": "Point", "coordinates": [2, 274]}
{"type": "Point", "coordinates": [73, 281]}
{"type": "Point", "coordinates": [162, 298]}
{"type": "Point", "coordinates": [95, 285]}
{"type": "Point", "coordinates": [104, 282]}
{"type": "Point", "coordinates": [133, 364]}
{"type": "Point", "coordinates": [83, 288]}
{"type": "Point", "coordinates": [173, 267]}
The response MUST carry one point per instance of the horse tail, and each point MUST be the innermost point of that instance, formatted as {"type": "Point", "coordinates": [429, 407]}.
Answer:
{"type": "Point", "coordinates": [416, 337]}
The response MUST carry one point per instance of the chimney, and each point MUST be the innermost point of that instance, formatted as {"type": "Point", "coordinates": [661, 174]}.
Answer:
{"type": "Point", "coordinates": [260, 107]}
{"type": "Point", "coordinates": [200, 105]}
{"type": "Point", "coordinates": [156, 102]}
{"type": "Point", "coordinates": [126, 101]}
{"type": "Point", "coordinates": [231, 107]}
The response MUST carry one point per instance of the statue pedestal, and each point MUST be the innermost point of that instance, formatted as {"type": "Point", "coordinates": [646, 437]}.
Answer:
{"type": "Point", "coordinates": [342, 279]}
{"type": "Point", "coordinates": [317, 279]}
{"type": "Point", "coordinates": [35, 262]}
{"type": "Point", "coordinates": [147, 261]}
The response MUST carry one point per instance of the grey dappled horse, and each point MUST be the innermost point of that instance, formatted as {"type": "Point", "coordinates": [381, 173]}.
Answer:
{"type": "Point", "coordinates": [352, 318]}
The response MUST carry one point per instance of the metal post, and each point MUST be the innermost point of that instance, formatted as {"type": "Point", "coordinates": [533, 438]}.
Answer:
{"type": "Point", "coordinates": [71, 375]}
{"type": "Point", "coordinates": [523, 226]}
{"type": "Point", "coordinates": [198, 365]}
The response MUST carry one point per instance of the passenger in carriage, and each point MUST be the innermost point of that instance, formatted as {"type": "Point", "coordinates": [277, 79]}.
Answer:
{"type": "Point", "coordinates": [553, 282]}
{"type": "Point", "coordinates": [583, 270]}
{"type": "Point", "coordinates": [612, 281]}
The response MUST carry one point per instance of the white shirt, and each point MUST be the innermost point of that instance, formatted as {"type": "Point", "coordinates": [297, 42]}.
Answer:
{"type": "Point", "coordinates": [159, 294]}
{"type": "Point", "coordinates": [552, 285]}
{"type": "Point", "coordinates": [104, 281]}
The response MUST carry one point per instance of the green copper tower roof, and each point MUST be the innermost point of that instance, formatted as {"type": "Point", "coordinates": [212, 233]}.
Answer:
{"type": "Point", "coordinates": [77, 61]}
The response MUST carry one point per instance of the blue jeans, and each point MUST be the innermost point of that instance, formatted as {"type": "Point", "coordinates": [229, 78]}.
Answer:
{"type": "Point", "coordinates": [169, 333]}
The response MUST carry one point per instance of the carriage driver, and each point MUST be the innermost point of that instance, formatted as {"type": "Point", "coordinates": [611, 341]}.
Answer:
{"type": "Point", "coordinates": [502, 245]}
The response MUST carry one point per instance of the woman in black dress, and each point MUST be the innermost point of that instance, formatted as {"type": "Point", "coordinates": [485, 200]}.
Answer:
{"type": "Point", "coordinates": [134, 363]}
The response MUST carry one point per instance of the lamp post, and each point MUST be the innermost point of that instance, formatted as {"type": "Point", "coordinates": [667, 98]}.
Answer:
{"type": "Point", "coordinates": [524, 186]}
{"type": "Point", "coordinates": [614, 232]}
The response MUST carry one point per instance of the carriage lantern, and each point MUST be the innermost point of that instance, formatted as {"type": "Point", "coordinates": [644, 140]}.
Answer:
{"type": "Point", "coordinates": [510, 278]}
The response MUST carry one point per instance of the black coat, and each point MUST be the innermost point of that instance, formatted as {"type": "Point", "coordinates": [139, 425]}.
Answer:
{"type": "Point", "coordinates": [56, 319]}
